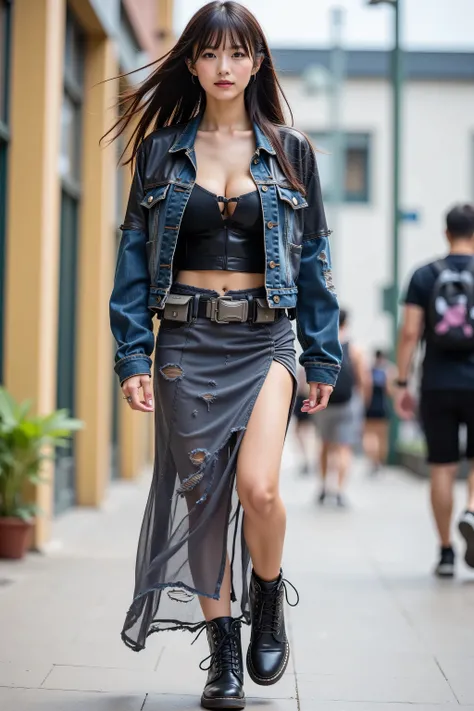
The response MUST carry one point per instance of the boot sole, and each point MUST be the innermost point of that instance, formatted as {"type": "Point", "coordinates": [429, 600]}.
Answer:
{"type": "Point", "coordinates": [467, 532]}
{"type": "Point", "coordinates": [222, 703]}
{"type": "Point", "coordinates": [268, 681]}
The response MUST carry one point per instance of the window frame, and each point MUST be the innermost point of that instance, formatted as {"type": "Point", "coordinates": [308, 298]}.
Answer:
{"type": "Point", "coordinates": [351, 138]}
{"type": "Point", "coordinates": [71, 194]}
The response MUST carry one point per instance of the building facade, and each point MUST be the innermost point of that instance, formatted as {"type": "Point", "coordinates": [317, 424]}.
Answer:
{"type": "Point", "coordinates": [62, 199]}
{"type": "Point", "coordinates": [437, 164]}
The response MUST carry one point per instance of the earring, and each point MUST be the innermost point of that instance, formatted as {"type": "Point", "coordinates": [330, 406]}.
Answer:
{"type": "Point", "coordinates": [255, 77]}
{"type": "Point", "coordinates": [193, 78]}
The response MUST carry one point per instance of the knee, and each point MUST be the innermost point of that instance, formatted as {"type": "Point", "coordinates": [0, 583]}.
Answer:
{"type": "Point", "coordinates": [260, 501]}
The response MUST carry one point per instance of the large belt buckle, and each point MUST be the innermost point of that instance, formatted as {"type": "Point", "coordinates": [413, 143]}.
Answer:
{"type": "Point", "coordinates": [224, 310]}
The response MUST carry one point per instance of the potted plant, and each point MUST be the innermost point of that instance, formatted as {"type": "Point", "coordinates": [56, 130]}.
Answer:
{"type": "Point", "coordinates": [25, 442]}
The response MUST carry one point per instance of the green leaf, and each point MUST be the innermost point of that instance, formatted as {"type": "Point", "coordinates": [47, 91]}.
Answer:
{"type": "Point", "coordinates": [7, 410]}
{"type": "Point", "coordinates": [26, 512]}
{"type": "Point", "coordinates": [23, 409]}
{"type": "Point", "coordinates": [26, 441]}
{"type": "Point", "coordinates": [37, 479]}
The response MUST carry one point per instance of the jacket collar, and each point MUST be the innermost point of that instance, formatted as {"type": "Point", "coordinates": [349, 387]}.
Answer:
{"type": "Point", "coordinates": [186, 139]}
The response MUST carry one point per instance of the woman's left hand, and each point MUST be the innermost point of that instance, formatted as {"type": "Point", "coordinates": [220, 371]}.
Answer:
{"type": "Point", "coordinates": [319, 394]}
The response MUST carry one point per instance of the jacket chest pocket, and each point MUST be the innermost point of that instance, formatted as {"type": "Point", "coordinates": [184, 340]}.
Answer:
{"type": "Point", "coordinates": [153, 203]}
{"type": "Point", "coordinates": [292, 204]}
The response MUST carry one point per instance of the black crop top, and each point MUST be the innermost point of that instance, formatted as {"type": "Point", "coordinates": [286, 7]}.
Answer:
{"type": "Point", "coordinates": [207, 240]}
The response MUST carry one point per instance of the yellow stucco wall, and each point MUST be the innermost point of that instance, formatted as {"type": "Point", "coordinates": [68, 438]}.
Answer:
{"type": "Point", "coordinates": [33, 245]}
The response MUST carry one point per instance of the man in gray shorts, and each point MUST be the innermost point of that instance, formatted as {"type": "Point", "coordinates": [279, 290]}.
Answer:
{"type": "Point", "coordinates": [340, 425]}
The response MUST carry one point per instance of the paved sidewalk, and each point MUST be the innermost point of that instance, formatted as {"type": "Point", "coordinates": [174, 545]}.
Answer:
{"type": "Point", "coordinates": [374, 630]}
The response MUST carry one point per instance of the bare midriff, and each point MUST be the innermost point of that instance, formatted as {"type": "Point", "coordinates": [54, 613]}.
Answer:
{"type": "Point", "coordinates": [221, 281]}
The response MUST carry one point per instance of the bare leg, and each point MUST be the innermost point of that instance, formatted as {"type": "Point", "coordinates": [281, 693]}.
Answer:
{"type": "Point", "coordinates": [470, 490]}
{"type": "Point", "coordinates": [344, 461]}
{"type": "Point", "coordinates": [383, 441]}
{"type": "Point", "coordinates": [258, 469]}
{"type": "Point", "coordinates": [265, 540]}
{"type": "Point", "coordinates": [218, 608]}
{"type": "Point", "coordinates": [324, 453]}
{"type": "Point", "coordinates": [324, 461]}
{"type": "Point", "coordinates": [371, 444]}
{"type": "Point", "coordinates": [442, 482]}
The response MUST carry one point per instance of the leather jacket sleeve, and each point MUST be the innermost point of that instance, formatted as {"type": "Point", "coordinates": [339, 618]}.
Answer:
{"type": "Point", "coordinates": [317, 309]}
{"type": "Point", "coordinates": [130, 318]}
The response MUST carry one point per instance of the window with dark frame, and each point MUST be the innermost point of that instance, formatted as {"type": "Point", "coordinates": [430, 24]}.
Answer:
{"type": "Point", "coordinates": [69, 166]}
{"type": "Point", "coordinates": [357, 149]}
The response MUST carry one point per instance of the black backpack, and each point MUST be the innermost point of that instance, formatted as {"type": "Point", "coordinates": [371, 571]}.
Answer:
{"type": "Point", "coordinates": [450, 321]}
{"type": "Point", "coordinates": [344, 388]}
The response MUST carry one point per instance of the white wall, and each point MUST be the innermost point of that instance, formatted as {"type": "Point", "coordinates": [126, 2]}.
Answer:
{"type": "Point", "coordinates": [437, 170]}
{"type": "Point", "coordinates": [426, 24]}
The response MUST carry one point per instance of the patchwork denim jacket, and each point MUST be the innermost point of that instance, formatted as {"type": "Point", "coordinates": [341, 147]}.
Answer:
{"type": "Point", "coordinates": [296, 238]}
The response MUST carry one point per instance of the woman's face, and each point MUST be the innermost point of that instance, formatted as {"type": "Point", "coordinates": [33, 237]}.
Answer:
{"type": "Point", "coordinates": [224, 73]}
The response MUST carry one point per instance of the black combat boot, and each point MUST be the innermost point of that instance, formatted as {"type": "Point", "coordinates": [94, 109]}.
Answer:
{"type": "Point", "coordinates": [224, 688]}
{"type": "Point", "coordinates": [269, 651]}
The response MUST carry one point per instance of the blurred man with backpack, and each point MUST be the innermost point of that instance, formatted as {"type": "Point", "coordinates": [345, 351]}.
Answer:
{"type": "Point", "coordinates": [340, 425]}
{"type": "Point", "coordinates": [439, 312]}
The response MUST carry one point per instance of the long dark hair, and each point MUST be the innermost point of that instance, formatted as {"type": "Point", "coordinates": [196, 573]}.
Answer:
{"type": "Point", "coordinates": [169, 96]}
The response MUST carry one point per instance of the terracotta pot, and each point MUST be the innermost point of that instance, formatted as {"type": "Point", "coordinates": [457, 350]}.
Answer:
{"type": "Point", "coordinates": [15, 537]}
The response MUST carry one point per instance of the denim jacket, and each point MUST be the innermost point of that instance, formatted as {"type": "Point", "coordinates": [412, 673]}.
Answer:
{"type": "Point", "coordinates": [297, 253]}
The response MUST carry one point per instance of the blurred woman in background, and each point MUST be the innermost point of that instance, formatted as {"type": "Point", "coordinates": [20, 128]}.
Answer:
{"type": "Point", "coordinates": [377, 412]}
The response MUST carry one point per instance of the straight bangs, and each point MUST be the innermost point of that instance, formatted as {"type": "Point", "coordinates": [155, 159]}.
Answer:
{"type": "Point", "coordinates": [221, 29]}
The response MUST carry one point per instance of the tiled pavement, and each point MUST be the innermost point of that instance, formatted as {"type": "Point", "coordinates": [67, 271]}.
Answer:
{"type": "Point", "coordinates": [374, 630]}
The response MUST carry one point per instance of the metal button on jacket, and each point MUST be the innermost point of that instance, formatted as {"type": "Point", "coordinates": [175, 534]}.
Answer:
{"type": "Point", "coordinates": [295, 201]}
{"type": "Point", "coordinates": [276, 299]}
{"type": "Point", "coordinates": [272, 264]}
{"type": "Point", "coordinates": [150, 199]}
{"type": "Point", "coordinates": [264, 188]}
{"type": "Point", "coordinates": [270, 225]}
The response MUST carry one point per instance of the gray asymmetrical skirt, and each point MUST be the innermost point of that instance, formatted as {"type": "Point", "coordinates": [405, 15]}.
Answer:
{"type": "Point", "coordinates": [207, 377]}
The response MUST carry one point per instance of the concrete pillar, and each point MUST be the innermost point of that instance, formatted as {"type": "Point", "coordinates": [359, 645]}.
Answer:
{"type": "Point", "coordinates": [32, 250]}
{"type": "Point", "coordinates": [96, 268]}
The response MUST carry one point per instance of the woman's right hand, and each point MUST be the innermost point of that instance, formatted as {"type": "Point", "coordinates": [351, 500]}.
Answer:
{"type": "Point", "coordinates": [131, 388]}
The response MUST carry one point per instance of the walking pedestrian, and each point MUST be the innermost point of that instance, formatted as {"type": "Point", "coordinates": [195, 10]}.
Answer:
{"type": "Point", "coordinates": [340, 425]}
{"type": "Point", "coordinates": [224, 219]}
{"type": "Point", "coordinates": [377, 412]}
{"type": "Point", "coordinates": [439, 311]}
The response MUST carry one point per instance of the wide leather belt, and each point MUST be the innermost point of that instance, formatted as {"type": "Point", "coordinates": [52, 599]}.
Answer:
{"type": "Point", "coordinates": [221, 309]}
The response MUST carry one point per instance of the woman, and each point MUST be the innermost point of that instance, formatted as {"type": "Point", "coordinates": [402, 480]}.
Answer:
{"type": "Point", "coordinates": [377, 412]}
{"type": "Point", "coordinates": [224, 215]}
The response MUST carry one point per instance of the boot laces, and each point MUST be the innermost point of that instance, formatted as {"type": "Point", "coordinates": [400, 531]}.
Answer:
{"type": "Point", "coordinates": [226, 655]}
{"type": "Point", "coordinates": [271, 606]}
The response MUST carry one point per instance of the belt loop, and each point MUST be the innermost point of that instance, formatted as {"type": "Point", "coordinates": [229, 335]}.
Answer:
{"type": "Point", "coordinates": [195, 307]}
{"type": "Point", "coordinates": [252, 307]}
